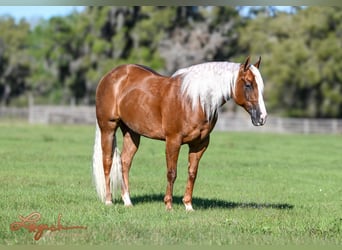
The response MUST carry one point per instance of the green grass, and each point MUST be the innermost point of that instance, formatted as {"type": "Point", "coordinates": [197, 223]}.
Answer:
{"type": "Point", "coordinates": [254, 189]}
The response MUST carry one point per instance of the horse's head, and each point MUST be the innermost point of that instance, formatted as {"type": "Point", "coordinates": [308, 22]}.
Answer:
{"type": "Point", "coordinates": [248, 92]}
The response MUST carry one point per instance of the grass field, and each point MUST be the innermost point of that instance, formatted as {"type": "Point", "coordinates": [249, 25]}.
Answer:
{"type": "Point", "coordinates": [254, 189]}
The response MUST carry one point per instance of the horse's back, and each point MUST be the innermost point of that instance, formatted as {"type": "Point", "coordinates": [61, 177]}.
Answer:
{"type": "Point", "coordinates": [144, 98]}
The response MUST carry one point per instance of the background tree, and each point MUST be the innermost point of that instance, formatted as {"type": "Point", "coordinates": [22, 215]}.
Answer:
{"type": "Point", "coordinates": [203, 34]}
{"type": "Point", "coordinates": [14, 60]}
{"type": "Point", "coordinates": [60, 60]}
{"type": "Point", "coordinates": [302, 59]}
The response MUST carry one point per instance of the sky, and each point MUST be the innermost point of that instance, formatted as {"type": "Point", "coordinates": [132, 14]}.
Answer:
{"type": "Point", "coordinates": [34, 13]}
{"type": "Point", "coordinates": [37, 12]}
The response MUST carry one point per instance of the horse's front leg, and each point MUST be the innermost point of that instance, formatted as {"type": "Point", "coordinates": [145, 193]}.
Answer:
{"type": "Point", "coordinates": [172, 152]}
{"type": "Point", "coordinates": [195, 153]}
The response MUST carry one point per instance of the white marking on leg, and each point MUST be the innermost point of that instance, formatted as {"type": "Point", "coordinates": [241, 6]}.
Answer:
{"type": "Point", "coordinates": [108, 203]}
{"type": "Point", "coordinates": [188, 207]}
{"type": "Point", "coordinates": [127, 200]}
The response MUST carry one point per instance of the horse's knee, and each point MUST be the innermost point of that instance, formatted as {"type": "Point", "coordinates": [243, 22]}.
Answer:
{"type": "Point", "coordinates": [171, 175]}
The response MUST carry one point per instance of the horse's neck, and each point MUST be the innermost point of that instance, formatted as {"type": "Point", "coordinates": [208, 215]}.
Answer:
{"type": "Point", "coordinates": [211, 83]}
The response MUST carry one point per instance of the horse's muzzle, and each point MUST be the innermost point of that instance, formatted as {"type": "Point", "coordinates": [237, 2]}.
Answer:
{"type": "Point", "coordinates": [258, 119]}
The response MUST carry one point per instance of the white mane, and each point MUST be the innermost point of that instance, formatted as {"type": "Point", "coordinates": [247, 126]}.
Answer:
{"type": "Point", "coordinates": [209, 84]}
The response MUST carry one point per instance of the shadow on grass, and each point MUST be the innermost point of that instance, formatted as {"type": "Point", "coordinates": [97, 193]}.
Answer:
{"type": "Point", "coordinates": [202, 203]}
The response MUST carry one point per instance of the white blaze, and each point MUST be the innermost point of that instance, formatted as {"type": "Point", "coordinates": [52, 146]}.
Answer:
{"type": "Point", "coordinates": [260, 84]}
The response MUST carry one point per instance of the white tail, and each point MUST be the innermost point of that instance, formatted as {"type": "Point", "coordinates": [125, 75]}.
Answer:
{"type": "Point", "coordinates": [98, 173]}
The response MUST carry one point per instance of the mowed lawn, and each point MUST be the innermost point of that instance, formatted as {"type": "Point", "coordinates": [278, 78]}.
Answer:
{"type": "Point", "coordinates": [252, 189]}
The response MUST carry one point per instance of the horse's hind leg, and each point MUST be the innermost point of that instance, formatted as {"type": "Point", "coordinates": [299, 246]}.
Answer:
{"type": "Point", "coordinates": [130, 146]}
{"type": "Point", "coordinates": [108, 130]}
{"type": "Point", "coordinates": [195, 153]}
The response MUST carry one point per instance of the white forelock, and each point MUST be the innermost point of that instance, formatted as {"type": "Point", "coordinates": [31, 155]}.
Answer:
{"type": "Point", "coordinates": [258, 78]}
{"type": "Point", "coordinates": [209, 84]}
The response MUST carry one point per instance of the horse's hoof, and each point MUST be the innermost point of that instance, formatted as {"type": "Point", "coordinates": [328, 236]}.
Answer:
{"type": "Point", "coordinates": [168, 207]}
{"type": "Point", "coordinates": [188, 208]}
{"type": "Point", "coordinates": [109, 203]}
{"type": "Point", "coordinates": [127, 200]}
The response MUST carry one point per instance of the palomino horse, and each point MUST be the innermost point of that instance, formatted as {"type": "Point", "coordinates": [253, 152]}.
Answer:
{"type": "Point", "coordinates": [181, 109]}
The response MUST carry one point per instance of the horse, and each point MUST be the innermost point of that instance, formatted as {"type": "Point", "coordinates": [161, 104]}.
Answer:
{"type": "Point", "coordinates": [178, 109]}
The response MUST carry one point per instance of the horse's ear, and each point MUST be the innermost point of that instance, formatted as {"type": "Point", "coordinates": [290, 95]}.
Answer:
{"type": "Point", "coordinates": [257, 64]}
{"type": "Point", "coordinates": [246, 64]}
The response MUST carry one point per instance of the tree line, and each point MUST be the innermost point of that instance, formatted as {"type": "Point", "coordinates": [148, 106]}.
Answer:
{"type": "Point", "coordinates": [61, 60]}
